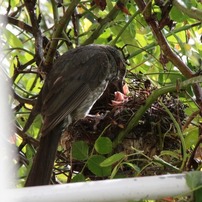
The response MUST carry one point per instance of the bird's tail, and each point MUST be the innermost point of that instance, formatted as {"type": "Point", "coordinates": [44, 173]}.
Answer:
{"type": "Point", "coordinates": [42, 166]}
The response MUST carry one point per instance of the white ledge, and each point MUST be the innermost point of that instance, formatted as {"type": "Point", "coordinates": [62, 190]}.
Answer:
{"type": "Point", "coordinates": [117, 190]}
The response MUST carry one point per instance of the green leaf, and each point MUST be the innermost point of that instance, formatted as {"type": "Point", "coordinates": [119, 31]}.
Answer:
{"type": "Point", "coordinates": [32, 83]}
{"type": "Point", "coordinates": [188, 3]}
{"type": "Point", "coordinates": [112, 159]}
{"type": "Point", "coordinates": [173, 154]}
{"type": "Point", "coordinates": [194, 181]}
{"type": "Point", "coordinates": [133, 166]}
{"type": "Point", "coordinates": [78, 178]}
{"type": "Point", "coordinates": [103, 145]}
{"type": "Point", "coordinates": [115, 173]}
{"type": "Point", "coordinates": [80, 150]}
{"type": "Point", "coordinates": [177, 15]}
{"type": "Point", "coordinates": [198, 195]}
{"type": "Point", "coordinates": [14, 3]}
{"type": "Point", "coordinates": [191, 137]}
{"type": "Point", "coordinates": [94, 166]}
{"type": "Point", "coordinates": [12, 39]}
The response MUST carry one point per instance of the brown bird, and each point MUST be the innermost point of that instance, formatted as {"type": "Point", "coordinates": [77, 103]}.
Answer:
{"type": "Point", "coordinates": [76, 81]}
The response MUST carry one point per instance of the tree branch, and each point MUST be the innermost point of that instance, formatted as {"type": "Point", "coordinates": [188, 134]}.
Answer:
{"type": "Point", "coordinates": [30, 5]}
{"type": "Point", "coordinates": [103, 23]}
{"type": "Point", "coordinates": [149, 101]}
{"type": "Point", "coordinates": [168, 52]}
{"type": "Point", "coordinates": [59, 27]}
{"type": "Point", "coordinates": [18, 23]}
{"type": "Point", "coordinates": [191, 12]}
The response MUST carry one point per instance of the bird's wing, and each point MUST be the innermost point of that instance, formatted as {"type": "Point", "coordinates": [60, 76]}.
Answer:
{"type": "Point", "coordinates": [75, 79]}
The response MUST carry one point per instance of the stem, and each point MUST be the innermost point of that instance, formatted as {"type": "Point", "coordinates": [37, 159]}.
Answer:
{"type": "Point", "coordinates": [165, 47]}
{"type": "Point", "coordinates": [149, 101]}
{"type": "Point", "coordinates": [191, 12]}
{"type": "Point", "coordinates": [150, 46]}
{"type": "Point", "coordinates": [124, 28]}
{"type": "Point", "coordinates": [30, 5]}
{"type": "Point", "coordinates": [103, 23]}
{"type": "Point", "coordinates": [59, 27]}
{"type": "Point", "coordinates": [180, 134]}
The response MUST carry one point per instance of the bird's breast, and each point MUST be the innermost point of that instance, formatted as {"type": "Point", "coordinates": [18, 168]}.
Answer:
{"type": "Point", "coordinates": [90, 100]}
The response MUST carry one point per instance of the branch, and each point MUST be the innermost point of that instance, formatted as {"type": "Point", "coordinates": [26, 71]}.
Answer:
{"type": "Point", "coordinates": [26, 138]}
{"type": "Point", "coordinates": [103, 23]}
{"type": "Point", "coordinates": [23, 100]}
{"type": "Point", "coordinates": [165, 47]}
{"type": "Point", "coordinates": [18, 23]}
{"type": "Point", "coordinates": [191, 12]}
{"type": "Point", "coordinates": [153, 44]}
{"type": "Point", "coordinates": [30, 5]}
{"type": "Point", "coordinates": [124, 28]}
{"type": "Point", "coordinates": [149, 101]}
{"type": "Point", "coordinates": [59, 27]}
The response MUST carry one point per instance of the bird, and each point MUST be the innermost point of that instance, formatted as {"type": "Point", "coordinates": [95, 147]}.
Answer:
{"type": "Point", "coordinates": [76, 81]}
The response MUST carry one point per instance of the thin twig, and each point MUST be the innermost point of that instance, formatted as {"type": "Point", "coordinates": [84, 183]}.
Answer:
{"type": "Point", "coordinates": [59, 27]}
{"type": "Point", "coordinates": [18, 23]}
{"type": "Point", "coordinates": [149, 101]}
{"type": "Point", "coordinates": [30, 5]}
{"type": "Point", "coordinates": [165, 47]}
{"type": "Point", "coordinates": [103, 23]}
{"type": "Point", "coordinates": [192, 12]}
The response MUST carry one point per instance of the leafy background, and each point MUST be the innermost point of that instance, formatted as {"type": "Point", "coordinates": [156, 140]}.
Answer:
{"type": "Point", "coordinates": [162, 41]}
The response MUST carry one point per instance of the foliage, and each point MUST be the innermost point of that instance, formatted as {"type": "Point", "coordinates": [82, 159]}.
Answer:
{"type": "Point", "coordinates": [162, 42]}
{"type": "Point", "coordinates": [194, 182]}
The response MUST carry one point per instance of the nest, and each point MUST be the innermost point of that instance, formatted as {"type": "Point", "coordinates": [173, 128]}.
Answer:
{"type": "Point", "coordinates": [154, 132]}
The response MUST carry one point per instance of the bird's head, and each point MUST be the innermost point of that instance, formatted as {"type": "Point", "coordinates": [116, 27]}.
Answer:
{"type": "Point", "coordinates": [118, 68]}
